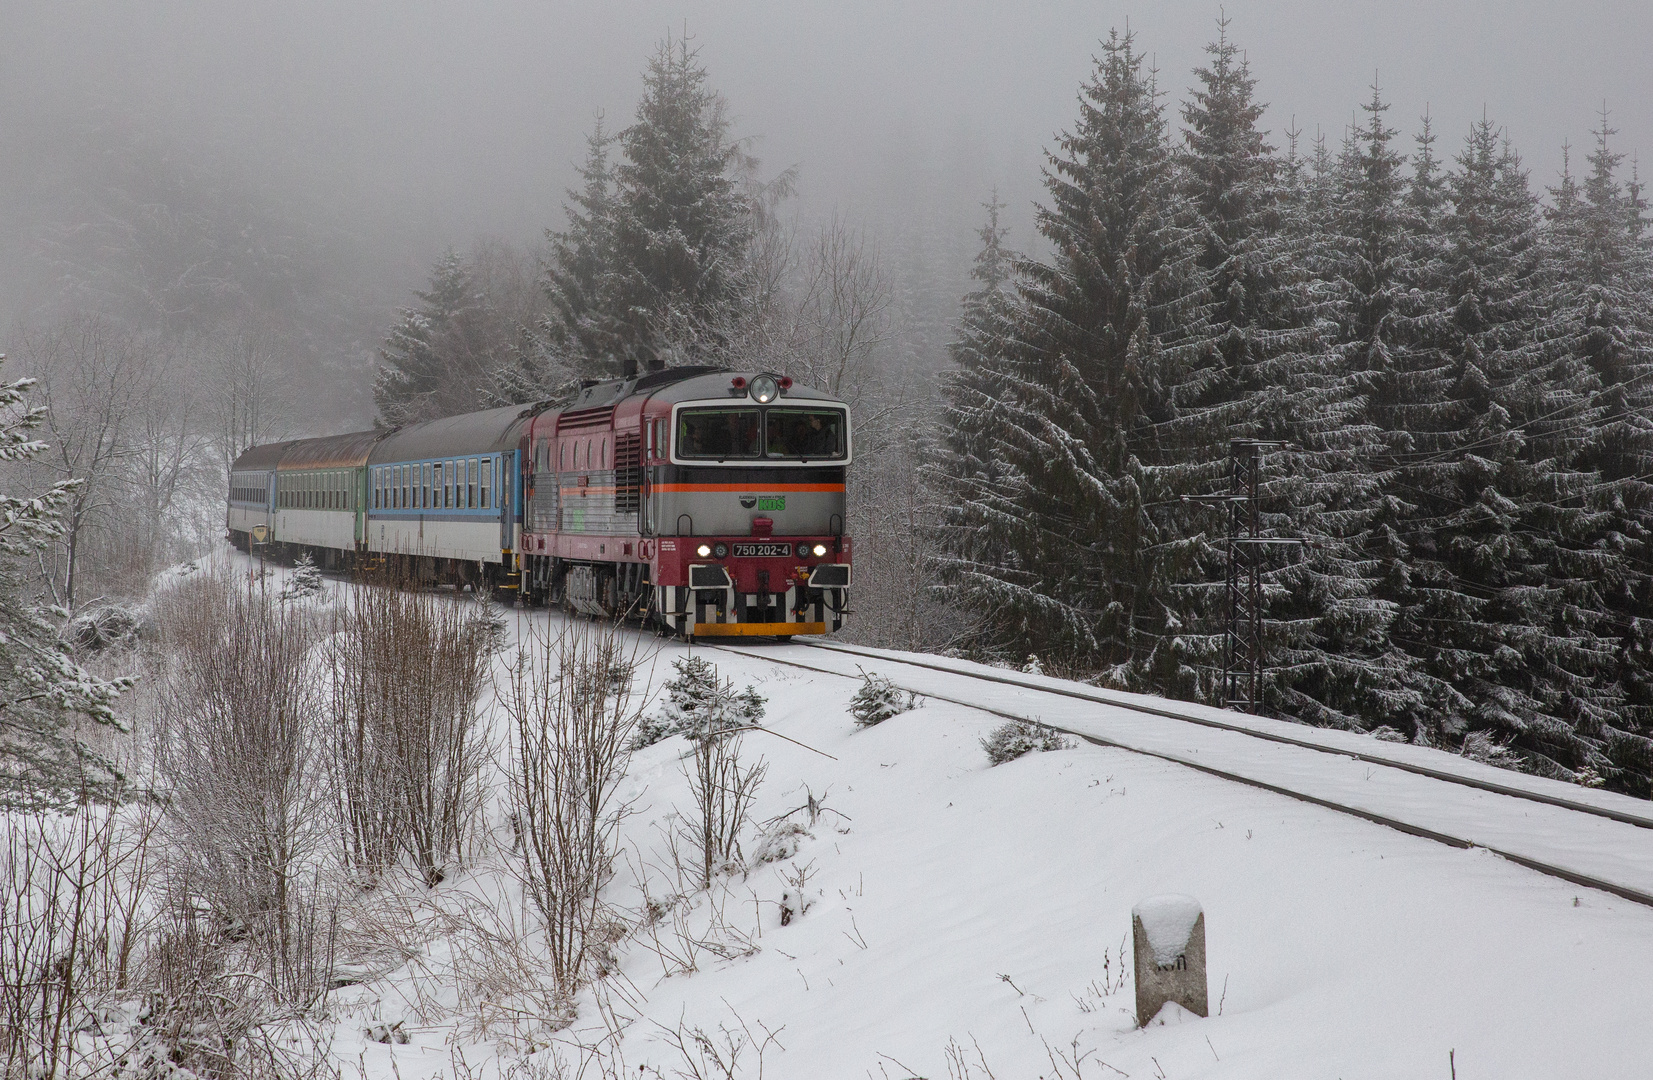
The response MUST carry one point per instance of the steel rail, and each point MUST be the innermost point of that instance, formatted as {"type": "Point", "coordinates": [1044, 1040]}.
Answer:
{"type": "Point", "coordinates": [1624, 817]}
{"type": "Point", "coordinates": [1624, 892]}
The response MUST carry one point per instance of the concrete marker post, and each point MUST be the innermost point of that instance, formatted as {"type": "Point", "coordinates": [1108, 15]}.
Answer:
{"type": "Point", "coordinates": [1169, 937]}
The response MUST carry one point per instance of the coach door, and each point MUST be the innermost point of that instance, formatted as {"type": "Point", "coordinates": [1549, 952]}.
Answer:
{"type": "Point", "coordinates": [505, 476]}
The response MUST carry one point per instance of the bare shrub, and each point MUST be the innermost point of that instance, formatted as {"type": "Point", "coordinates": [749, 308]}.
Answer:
{"type": "Point", "coordinates": [248, 810]}
{"type": "Point", "coordinates": [71, 911]}
{"type": "Point", "coordinates": [407, 670]}
{"type": "Point", "coordinates": [571, 722]}
{"type": "Point", "coordinates": [723, 789]}
{"type": "Point", "coordinates": [729, 1052]}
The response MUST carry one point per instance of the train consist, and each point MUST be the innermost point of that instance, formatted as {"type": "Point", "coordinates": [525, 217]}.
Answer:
{"type": "Point", "coordinates": [708, 501]}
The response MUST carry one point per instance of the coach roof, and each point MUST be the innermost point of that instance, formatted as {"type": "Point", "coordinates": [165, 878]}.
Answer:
{"type": "Point", "coordinates": [454, 436]}
{"type": "Point", "coordinates": [267, 456]}
{"type": "Point", "coordinates": [347, 451]}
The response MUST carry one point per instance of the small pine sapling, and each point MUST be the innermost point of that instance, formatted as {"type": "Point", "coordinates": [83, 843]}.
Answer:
{"type": "Point", "coordinates": [698, 702]}
{"type": "Point", "coordinates": [1011, 740]}
{"type": "Point", "coordinates": [878, 700]}
{"type": "Point", "coordinates": [306, 580]}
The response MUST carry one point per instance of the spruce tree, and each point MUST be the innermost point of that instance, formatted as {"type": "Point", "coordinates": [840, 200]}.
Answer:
{"type": "Point", "coordinates": [1101, 330]}
{"type": "Point", "coordinates": [579, 335]}
{"type": "Point", "coordinates": [433, 359]}
{"type": "Point", "coordinates": [1603, 301]}
{"type": "Point", "coordinates": [1340, 668]}
{"type": "Point", "coordinates": [1260, 317]}
{"type": "Point", "coordinates": [681, 228]}
{"type": "Point", "coordinates": [968, 476]}
{"type": "Point", "coordinates": [44, 693]}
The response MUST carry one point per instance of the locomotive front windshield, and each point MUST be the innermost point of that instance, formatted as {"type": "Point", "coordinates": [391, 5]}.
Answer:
{"type": "Point", "coordinates": [809, 434]}
{"type": "Point", "coordinates": [717, 433]}
{"type": "Point", "coordinates": [775, 434]}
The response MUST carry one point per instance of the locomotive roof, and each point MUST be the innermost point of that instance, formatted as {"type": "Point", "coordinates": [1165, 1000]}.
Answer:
{"type": "Point", "coordinates": [346, 451]}
{"type": "Point", "coordinates": [266, 456]}
{"type": "Point", "coordinates": [484, 432]}
{"type": "Point", "coordinates": [717, 386]}
{"type": "Point", "coordinates": [677, 384]}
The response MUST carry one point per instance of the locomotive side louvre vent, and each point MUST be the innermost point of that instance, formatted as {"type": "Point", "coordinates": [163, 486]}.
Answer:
{"type": "Point", "coordinates": [628, 472]}
{"type": "Point", "coordinates": [583, 419]}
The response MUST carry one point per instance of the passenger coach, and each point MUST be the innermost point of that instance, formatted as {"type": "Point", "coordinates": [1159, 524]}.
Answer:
{"type": "Point", "coordinates": [706, 500]}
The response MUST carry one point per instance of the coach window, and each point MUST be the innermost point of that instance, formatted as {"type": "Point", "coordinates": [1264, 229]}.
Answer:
{"type": "Point", "coordinates": [425, 486]}
{"type": "Point", "coordinates": [483, 480]}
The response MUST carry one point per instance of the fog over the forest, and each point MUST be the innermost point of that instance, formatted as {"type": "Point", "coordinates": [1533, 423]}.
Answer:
{"type": "Point", "coordinates": [396, 130]}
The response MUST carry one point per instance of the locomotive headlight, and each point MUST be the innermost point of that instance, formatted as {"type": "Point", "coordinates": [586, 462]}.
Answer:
{"type": "Point", "coordinates": [721, 550]}
{"type": "Point", "coordinates": [820, 549]}
{"type": "Point", "coordinates": [703, 550]}
{"type": "Point", "coordinates": [765, 389]}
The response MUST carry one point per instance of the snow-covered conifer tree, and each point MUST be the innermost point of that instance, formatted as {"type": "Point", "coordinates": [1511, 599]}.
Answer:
{"type": "Point", "coordinates": [43, 692]}
{"type": "Point", "coordinates": [1100, 330]}
{"type": "Point", "coordinates": [1603, 301]}
{"type": "Point", "coordinates": [969, 476]}
{"type": "Point", "coordinates": [682, 227]}
{"type": "Point", "coordinates": [1260, 316]}
{"type": "Point", "coordinates": [578, 334]}
{"type": "Point", "coordinates": [416, 358]}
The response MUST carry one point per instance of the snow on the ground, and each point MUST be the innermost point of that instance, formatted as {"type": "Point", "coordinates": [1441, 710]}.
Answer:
{"type": "Point", "coordinates": [987, 911]}
{"type": "Point", "coordinates": [1612, 850]}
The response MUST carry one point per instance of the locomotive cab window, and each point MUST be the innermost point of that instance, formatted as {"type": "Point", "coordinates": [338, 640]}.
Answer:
{"type": "Point", "coordinates": [808, 434]}
{"type": "Point", "coordinates": [717, 434]}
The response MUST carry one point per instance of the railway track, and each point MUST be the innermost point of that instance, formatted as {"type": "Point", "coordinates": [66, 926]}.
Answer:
{"type": "Point", "coordinates": [1587, 843]}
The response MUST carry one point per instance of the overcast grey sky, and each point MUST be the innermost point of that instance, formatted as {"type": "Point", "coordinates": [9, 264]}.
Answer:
{"type": "Point", "coordinates": [457, 118]}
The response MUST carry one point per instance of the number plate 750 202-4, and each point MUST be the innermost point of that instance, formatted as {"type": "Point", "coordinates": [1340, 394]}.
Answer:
{"type": "Point", "coordinates": [748, 551]}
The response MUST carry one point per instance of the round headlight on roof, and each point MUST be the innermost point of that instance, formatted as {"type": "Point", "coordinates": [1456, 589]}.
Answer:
{"type": "Point", "coordinates": [765, 389]}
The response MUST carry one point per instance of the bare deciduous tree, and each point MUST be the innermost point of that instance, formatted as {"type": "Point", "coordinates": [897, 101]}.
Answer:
{"type": "Point", "coordinates": [87, 369]}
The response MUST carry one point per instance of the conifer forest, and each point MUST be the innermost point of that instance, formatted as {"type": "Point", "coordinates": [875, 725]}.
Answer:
{"type": "Point", "coordinates": [718, 539]}
{"type": "Point", "coordinates": [1444, 357]}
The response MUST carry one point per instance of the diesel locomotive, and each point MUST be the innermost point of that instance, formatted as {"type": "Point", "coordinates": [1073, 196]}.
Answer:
{"type": "Point", "coordinates": [708, 501]}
